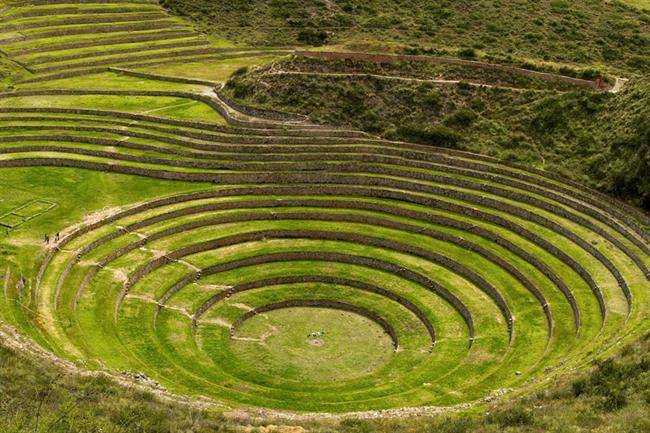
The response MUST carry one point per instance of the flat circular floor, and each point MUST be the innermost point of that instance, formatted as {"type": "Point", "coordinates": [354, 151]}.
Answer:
{"type": "Point", "coordinates": [287, 343]}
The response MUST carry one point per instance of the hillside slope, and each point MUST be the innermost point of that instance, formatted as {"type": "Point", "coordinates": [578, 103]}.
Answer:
{"type": "Point", "coordinates": [600, 139]}
{"type": "Point", "coordinates": [624, 128]}
{"type": "Point", "coordinates": [43, 398]}
{"type": "Point", "coordinates": [580, 31]}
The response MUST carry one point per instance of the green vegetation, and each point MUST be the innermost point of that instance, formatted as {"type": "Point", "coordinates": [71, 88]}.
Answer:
{"type": "Point", "coordinates": [42, 398]}
{"type": "Point", "coordinates": [286, 343]}
{"type": "Point", "coordinates": [643, 4]}
{"type": "Point", "coordinates": [599, 139]}
{"type": "Point", "coordinates": [59, 41]}
{"type": "Point", "coordinates": [217, 71]}
{"type": "Point", "coordinates": [178, 256]}
{"type": "Point", "coordinates": [583, 32]}
{"type": "Point", "coordinates": [9, 73]}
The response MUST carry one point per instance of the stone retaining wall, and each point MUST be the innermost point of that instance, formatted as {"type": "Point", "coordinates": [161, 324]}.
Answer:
{"type": "Point", "coordinates": [24, 3]}
{"type": "Point", "coordinates": [631, 222]}
{"type": "Point", "coordinates": [129, 59]}
{"type": "Point", "coordinates": [94, 29]}
{"type": "Point", "coordinates": [476, 279]}
{"type": "Point", "coordinates": [135, 226]}
{"type": "Point", "coordinates": [362, 219]}
{"type": "Point", "coordinates": [157, 36]}
{"type": "Point", "coordinates": [260, 113]}
{"type": "Point", "coordinates": [252, 179]}
{"type": "Point", "coordinates": [83, 19]}
{"type": "Point", "coordinates": [320, 303]}
{"type": "Point", "coordinates": [307, 279]}
{"type": "Point", "coordinates": [368, 220]}
{"type": "Point", "coordinates": [183, 44]}
{"type": "Point", "coordinates": [343, 179]}
{"type": "Point", "coordinates": [32, 13]}
{"type": "Point", "coordinates": [181, 123]}
{"type": "Point", "coordinates": [394, 58]}
{"type": "Point", "coordinates": [168, 78]}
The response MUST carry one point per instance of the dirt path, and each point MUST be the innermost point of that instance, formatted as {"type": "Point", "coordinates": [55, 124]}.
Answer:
{"type": "Point", "coordinates": [618, 85]}
{"type": "Point", "coordinates": [151, 300]}
{"type": "Point", "coordinates": [400, 78]}
{"type": "Point", "coordinates": [217, 321]}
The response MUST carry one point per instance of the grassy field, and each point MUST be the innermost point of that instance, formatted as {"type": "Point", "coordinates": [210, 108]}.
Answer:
{"type": "Point", "coordinates": [156, 232]}
{"type": "Point", "coordinates": [279, 344]}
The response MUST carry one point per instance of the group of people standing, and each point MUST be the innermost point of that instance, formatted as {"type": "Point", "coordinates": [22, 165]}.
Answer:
{"type": "Point", "coordinates": [46, 239]}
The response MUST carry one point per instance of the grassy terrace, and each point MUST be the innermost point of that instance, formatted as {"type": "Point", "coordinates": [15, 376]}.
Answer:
{"type": "Point", "coordinates": [56, 40]}
{"type": "Point", "coordinates": [481, 272]}
{"type": "Point", "coordinates": [238, 255]}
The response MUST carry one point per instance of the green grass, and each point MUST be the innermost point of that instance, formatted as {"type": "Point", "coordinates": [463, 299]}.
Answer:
{"type": "Point", "coordinates": [95, 31]}
{"type": "Point", "coordinates": [68, 401]}
{"type": "Point", "coordinates": [352, 347]}
{"type": "Point", "coordinates": [218, 71]}
{"type": "Point", "coordinates": [169, 107]}
{"type": "Point", "coordinates": [9, 72]}
{"type": "Point", "coordinates": [412, 233]}
{"type": "Point", "coordinates": [159, 284]}
{"type": "Point", "coordinates": [643, 4]}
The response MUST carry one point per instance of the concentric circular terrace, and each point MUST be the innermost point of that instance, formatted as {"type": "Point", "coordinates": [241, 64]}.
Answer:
{"type": "Point", "coordinates": [324, 270]}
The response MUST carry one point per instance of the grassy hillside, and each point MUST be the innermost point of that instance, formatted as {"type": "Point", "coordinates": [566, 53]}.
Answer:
{"type": "Point", "coordinates": [580, 31]}
{"type": "Point", "coordinates": [41, 398]}
{"type": "Point", "coordinates": [596, 138]}
{"type": "Point", "coordinates": [623, 128]}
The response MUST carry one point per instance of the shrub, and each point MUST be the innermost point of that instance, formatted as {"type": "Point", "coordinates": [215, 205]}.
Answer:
{"type": "Point", "coordinates": [550, 114]}
{"type": "Point", "coordinates": [455, 425]}
{"type": "Point", "coordinates": [517, 140]}
{"type": "Point", "coordinates": [467, 53]}
{"type": "Point", "coordinates": [559, 5]}
{"type": "Point", "coordinates": [357, 426]}
{"type": "Point", "coordinates": [579, 387]}
{"type": "Point", "coordinates": [432, 100]}
{"type": "Point", "coordinates": [565, 70]}
{"type": "Point", "coordinates": [512, 417]}
{"type": "Point", "coordinates": [435, 135]}
{"type": "Point", "coordinates": [239, 90]}
{"type": "Point", "coordinates": [639, 62]}
{"type": "Point", "coordinates": [590, 74]}
{"type": "Point", "coordinates": [615, 399]}
{"type": "Point", "coordinates": [240, 71]}
{"type": "Point", "coordinates": [462, 117]}
{"type": "Point", "coordinates": [313, 37]}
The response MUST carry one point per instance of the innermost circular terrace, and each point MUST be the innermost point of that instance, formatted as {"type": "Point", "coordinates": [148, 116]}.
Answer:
{"type": "Point", "coordinates": [312, 344]}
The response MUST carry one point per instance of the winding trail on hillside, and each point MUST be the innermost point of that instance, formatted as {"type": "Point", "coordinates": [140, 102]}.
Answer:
{"type": "Point", "coordinates": [398, 78]}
